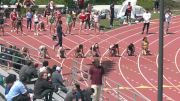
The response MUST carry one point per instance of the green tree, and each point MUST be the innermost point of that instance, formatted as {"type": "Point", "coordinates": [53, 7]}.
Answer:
{"type": "Point", "coordinates": [69, 3]}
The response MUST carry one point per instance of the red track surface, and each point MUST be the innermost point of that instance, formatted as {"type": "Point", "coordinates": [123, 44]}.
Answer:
{"type": "Point", "coordinates": [138, 74]}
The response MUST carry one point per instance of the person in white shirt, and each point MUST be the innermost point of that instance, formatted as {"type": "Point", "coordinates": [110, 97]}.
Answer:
{"type": "Point", "coordinates": [36, 22]}
{"type": "Point", "coordinates": [168, 15]}
{"type": "Point", "coordinates": [146, 17]}
{"type": "Point", "coordinates": [96, 22]}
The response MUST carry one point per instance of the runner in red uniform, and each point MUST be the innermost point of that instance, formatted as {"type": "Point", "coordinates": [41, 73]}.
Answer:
{"type": "Point", "coordinates": [82, 17]}
{"type": "Point", "coordinates": [13, 17]}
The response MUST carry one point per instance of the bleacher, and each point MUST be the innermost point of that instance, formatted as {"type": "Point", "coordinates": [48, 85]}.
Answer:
{"type": "Point", "coordinates": [5, 71]}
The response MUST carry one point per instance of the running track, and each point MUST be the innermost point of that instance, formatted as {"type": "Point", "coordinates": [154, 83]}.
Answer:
{"type": "Point", "coordinates": [137, 75]}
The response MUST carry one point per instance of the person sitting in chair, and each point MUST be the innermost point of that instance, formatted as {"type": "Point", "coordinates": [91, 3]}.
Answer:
{"type": "Point", "coordinates": [79, 51]}
{"type": "Point", "coordinates": [61, 53]}
{"type": "Point", "coordinates": [43, 53]}
{"type": "Point", "coordinates": [95, 50]}
{"type": "Point", "coordinates": [114, 50]}
{"type": "Point", "coordinates": [131, 49]}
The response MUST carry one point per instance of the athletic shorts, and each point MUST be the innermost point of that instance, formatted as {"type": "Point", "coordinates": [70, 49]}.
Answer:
{"type": "Point", "coordinates": [1, 21]}
{"type": "Point", "coordinates": [36, 23]}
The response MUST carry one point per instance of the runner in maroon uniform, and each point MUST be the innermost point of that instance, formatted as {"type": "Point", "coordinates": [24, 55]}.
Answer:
{"type": "Point", "coordinates": [13, 17]}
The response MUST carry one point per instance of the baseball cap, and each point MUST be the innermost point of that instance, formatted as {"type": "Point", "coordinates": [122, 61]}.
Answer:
{"type": "Point", "coordinates": [58, 68]}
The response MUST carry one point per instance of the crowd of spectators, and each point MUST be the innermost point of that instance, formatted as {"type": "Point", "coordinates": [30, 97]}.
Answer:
{"type": "Point", "coordinates": [49, 81]}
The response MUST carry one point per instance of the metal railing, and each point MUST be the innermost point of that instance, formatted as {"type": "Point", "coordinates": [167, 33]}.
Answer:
{"type": "Point", "coordinates": [29, 55]}
{"type": "Point", "coordinates": [109, 87]}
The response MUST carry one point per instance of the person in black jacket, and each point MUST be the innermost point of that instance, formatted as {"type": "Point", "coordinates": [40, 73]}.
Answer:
{"type": "Point", "coordinates": [59, 34]}
{"type": "Point", "coordinates": [43, 88]}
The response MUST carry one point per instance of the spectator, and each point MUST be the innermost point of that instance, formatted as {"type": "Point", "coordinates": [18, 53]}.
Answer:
{"type": "Point", "coordinates": [79, 94]}
{"type": "Point", "coordinates": [131, 50]}
{"type": "Point", "coordinates": [18, 91]}
{"type": "Point", "coordinates": [24, 68]}
{"type": "Point", "coordinates": [75, 95]}
{"type": "Point", "coordinates": [43, 88]}
{"type": "Point", "coordinates": [10, 79]}
{"type": "Point", "coordinates": [111, 14]}
{"type": "Point", "coordinates": [114, 50]}
{"type": "Point", "coordinates": [156, 6]}
{"type": "Point", "coordinates": [79, 51]}
{"type": "Point", "coordinates": [87, 93]}
{"type": "Point", "coordinates": [70, 96]}
{"type": "Point", "coordinates": [54, 68]}
{"type": "Point", "coordinates": [47, 69]}
{"type": "Point", "coordinates": [128, 13]}
{"type": "Point", "coordinates": [29, 16]}
{"type": "Point", "coordinates": [168, 15]}
{"type": "Point", "coordinates": [96, 72]}
{"type": "Point", "coordinates": [28, 71]}
{"type": "Point", "coordinates": [57, 80]}
{"type": "Point", "coordinates": [44, 66]}
{"type": "Point", "coordinates": [146, 17]}
{"type": "Point", "coordinates": [95, 50]}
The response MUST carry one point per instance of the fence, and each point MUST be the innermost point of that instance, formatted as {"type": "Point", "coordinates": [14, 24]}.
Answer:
{"type": "Point", "coordinates": [110, 88]}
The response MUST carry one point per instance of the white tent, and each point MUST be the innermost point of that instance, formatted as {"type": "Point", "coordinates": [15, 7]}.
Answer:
{"type": "Point", "coordinates": [120, 9]}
